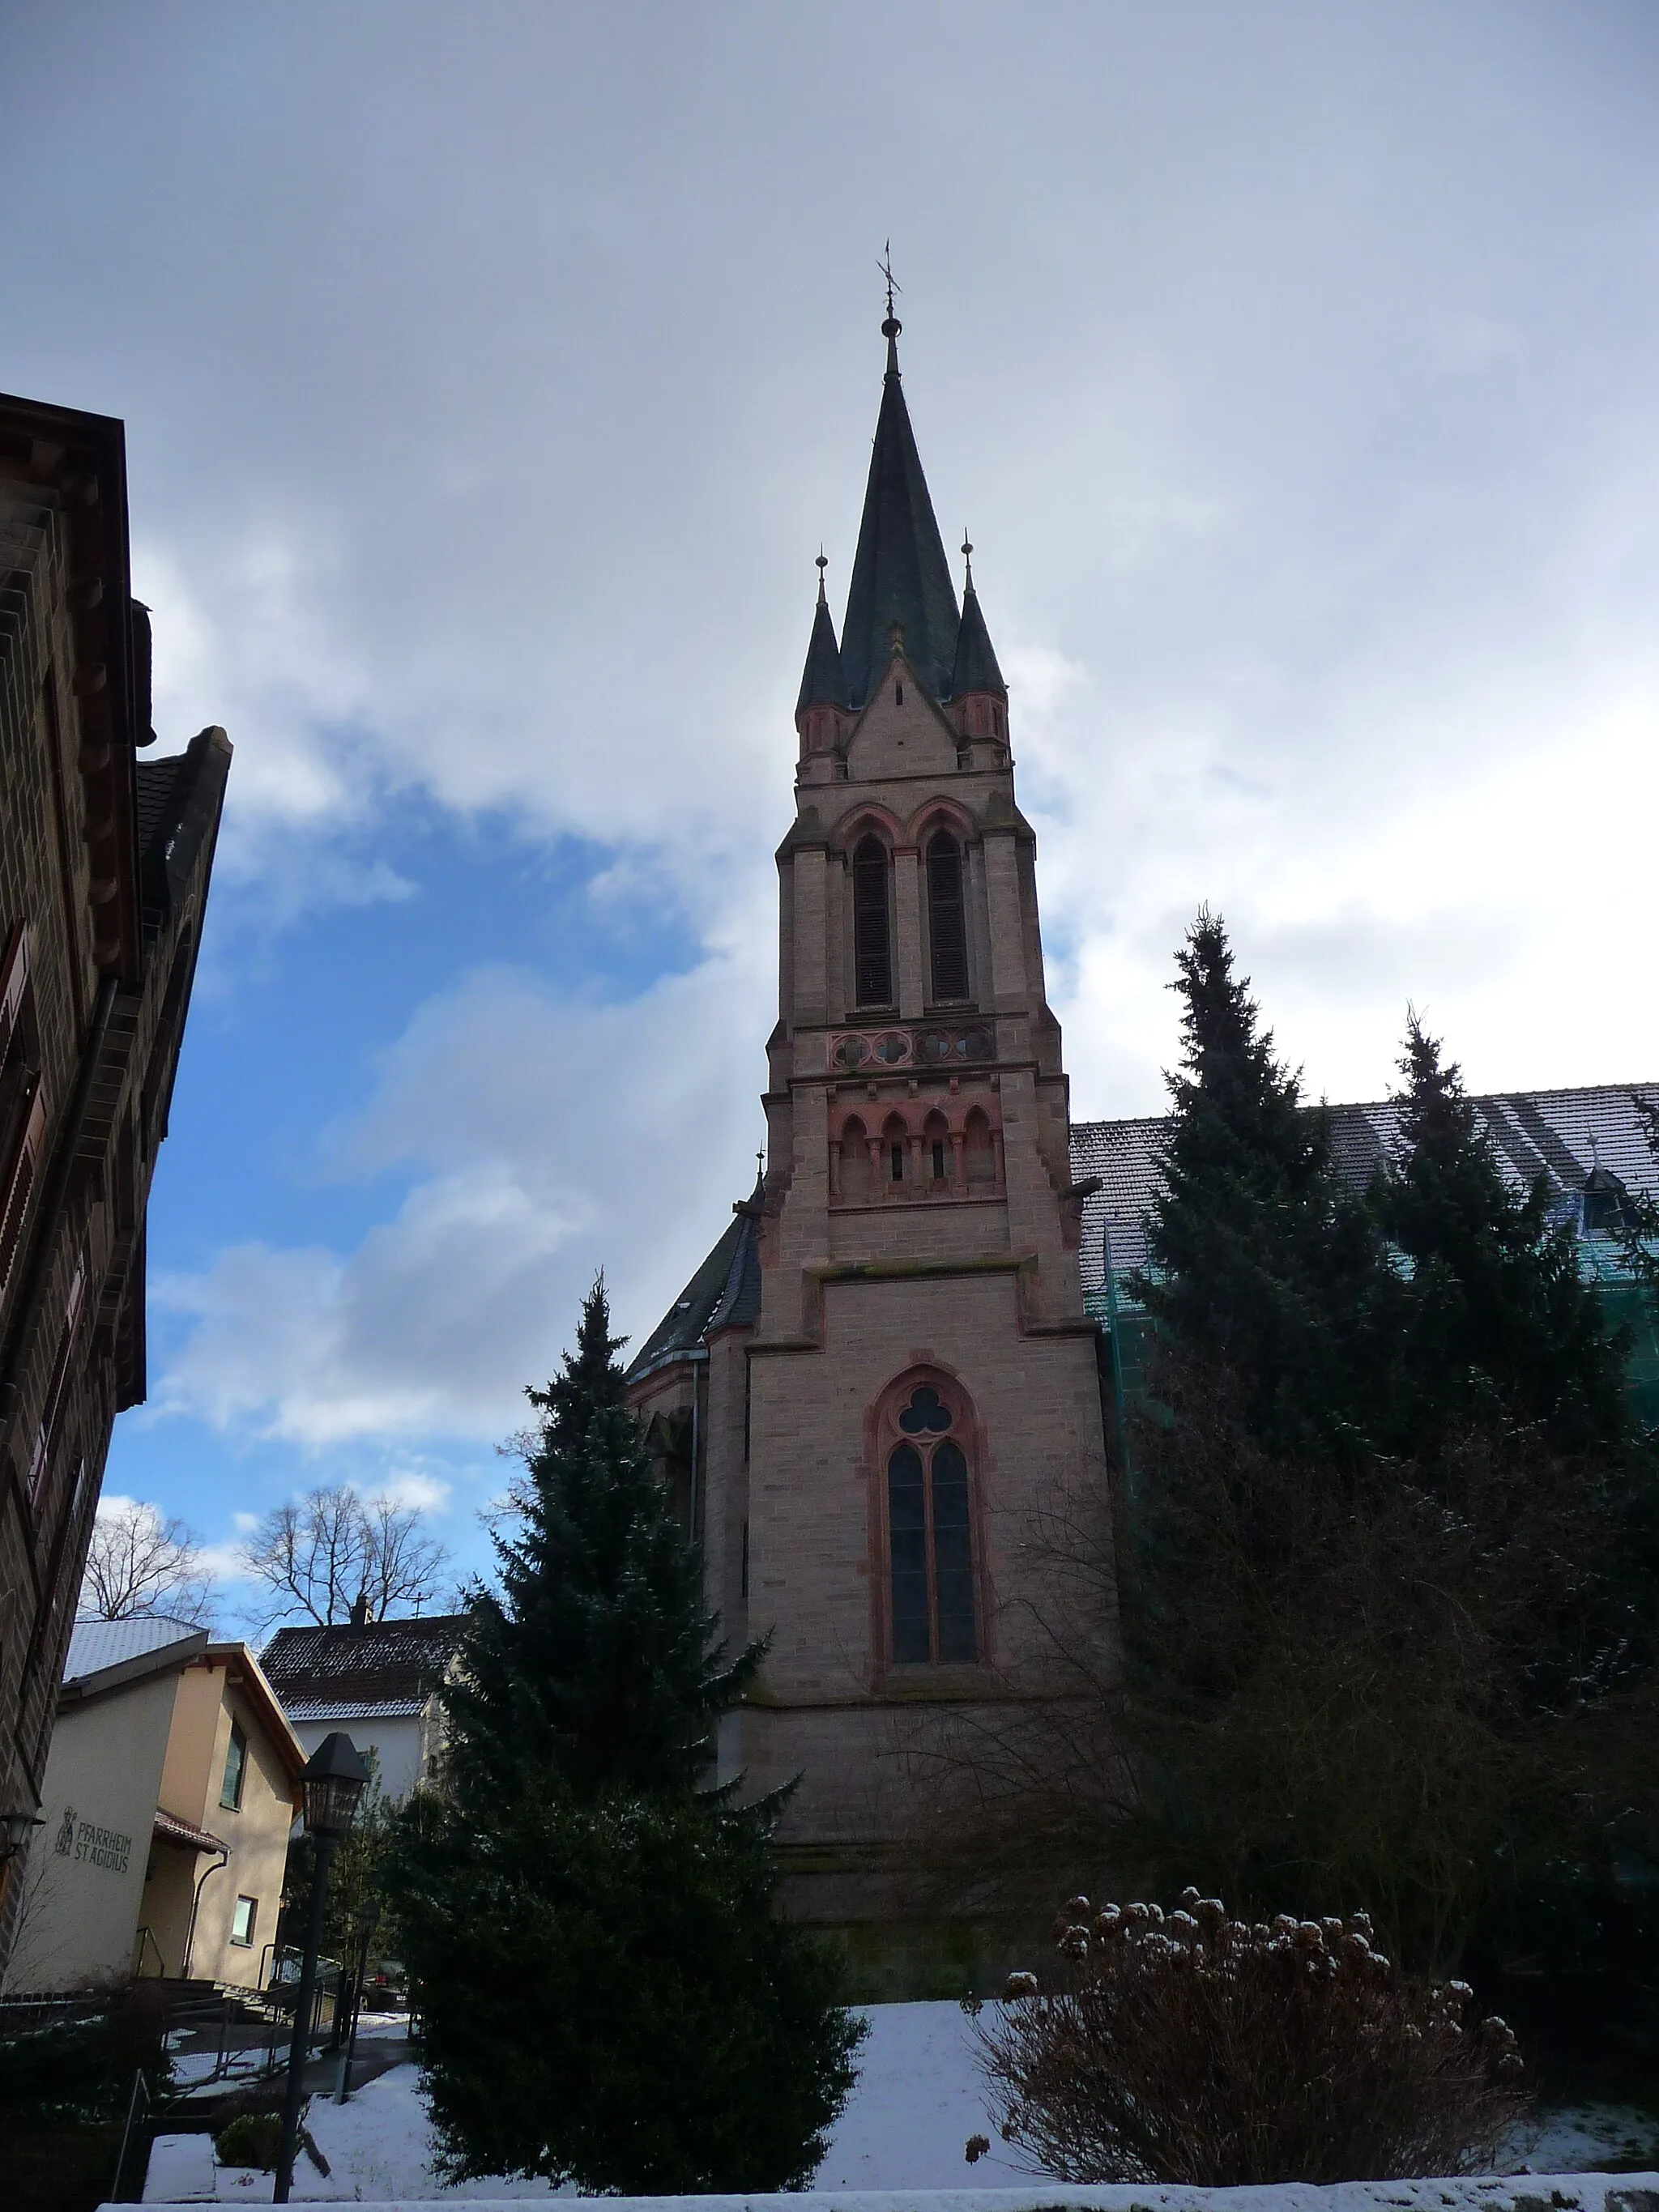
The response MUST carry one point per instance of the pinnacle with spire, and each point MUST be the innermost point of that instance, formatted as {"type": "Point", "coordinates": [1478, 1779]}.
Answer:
{"type": "Point", "coordinates": [823, 683]}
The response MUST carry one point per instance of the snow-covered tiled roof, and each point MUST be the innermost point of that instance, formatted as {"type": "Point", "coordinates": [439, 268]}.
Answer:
{"type": "Point", "coordinates": [1563, 1134]}
{"type": "Point", "coordinates": [380, 1669]}
{"type": "Point", "coordinates": [97, 1645]}
{"type": "Point", "coordinates": [352, 1709]}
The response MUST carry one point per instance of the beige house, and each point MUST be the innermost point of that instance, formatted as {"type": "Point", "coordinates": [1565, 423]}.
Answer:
{"type": "Point", "coordinates": [169, 1796]}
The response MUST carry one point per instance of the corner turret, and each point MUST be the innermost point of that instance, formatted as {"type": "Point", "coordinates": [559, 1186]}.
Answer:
{"type": "Point", "coordinates": [819, 709]}
{"type": "Point", "coordinates": [978, 695]}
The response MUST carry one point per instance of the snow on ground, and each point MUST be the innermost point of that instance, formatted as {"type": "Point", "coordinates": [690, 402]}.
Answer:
{"type": "Point", "coordinates": [919, 2098]}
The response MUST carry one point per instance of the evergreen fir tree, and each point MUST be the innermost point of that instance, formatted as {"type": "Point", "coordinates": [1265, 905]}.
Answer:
{"type": "Point", "coordinates": [598, 1660]}
{"type": "Point", "coordinates": [587, 1922]}
{"type": "Point", "coordinates": [610, 2000]}
{"type": "Point", "coordinates": [1500, 1324]}
{"type": "Point", "coordinates": [1262, 1265]}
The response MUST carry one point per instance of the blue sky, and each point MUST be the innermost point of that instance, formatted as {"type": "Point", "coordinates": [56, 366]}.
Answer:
{"type": "Point", "coordinates": [491, 375]}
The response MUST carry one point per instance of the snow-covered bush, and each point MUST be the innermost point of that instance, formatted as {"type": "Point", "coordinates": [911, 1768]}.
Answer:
{"type": "Point", "coordinates": [1191, 2047]}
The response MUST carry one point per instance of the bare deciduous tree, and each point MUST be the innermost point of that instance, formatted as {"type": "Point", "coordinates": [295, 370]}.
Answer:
{"type": "Point", "coordinates": [314, 1558]}
{"type": "Point", "coordinates": [140, 1563]}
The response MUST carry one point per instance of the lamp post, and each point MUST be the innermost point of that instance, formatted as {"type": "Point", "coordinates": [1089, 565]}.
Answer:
{"type": "Point", "coordinates": [333, 1778]}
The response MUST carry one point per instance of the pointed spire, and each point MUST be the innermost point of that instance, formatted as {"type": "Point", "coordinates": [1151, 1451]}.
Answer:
{"type": "Point", "coordinates": [975, 666]}
{"type": "Point", "coordinates": [900, 573]}
{"type": "Point", "coordinates": [822, 683]}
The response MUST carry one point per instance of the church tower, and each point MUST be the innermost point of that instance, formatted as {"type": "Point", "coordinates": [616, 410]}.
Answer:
{"type": "Point", "coordinates": [883, 1372]}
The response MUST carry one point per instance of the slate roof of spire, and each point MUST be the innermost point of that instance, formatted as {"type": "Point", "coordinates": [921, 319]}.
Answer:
{"type": "Point", "coordinates": [723, 1293]}
{"type": "Point", "coordinates": [900, 573]}
{"type": "Point", "coordinates": [975, 668]}
{"type": "Point", "coordinates": [1565, 1134]}
{"type": "Point", "coordinates": [823, 683]}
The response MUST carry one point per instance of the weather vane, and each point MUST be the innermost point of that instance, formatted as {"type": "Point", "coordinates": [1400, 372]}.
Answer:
{"type": "Point", "coordinates": [967, 558]}
{"type": "Point", "coordinates": [885, 266]}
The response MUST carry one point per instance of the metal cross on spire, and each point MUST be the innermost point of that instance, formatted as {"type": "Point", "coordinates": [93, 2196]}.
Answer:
{"type": "Point", "coordinates": [885, 266]}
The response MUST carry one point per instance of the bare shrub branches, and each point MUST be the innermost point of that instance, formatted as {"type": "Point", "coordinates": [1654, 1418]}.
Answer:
{"type": "Point", "coordinates": [1198, 2049]}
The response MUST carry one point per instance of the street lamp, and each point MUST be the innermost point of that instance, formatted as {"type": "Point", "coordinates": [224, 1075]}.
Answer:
{"type": "Point", "coordinates": [14, 1829]}
{"type": "Point", "coordinates": [332, 1780]}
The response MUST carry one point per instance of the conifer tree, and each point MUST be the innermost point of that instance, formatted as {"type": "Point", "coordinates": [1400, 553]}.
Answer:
{"type": "Point", "coordinates": [1262, 1265]}
{"type": "Point", "coordinates": [598, 1661]}
{"type": "Point", "coordinates": [608, 1997]}
{"type": "Point", "coordinates": [1500, 1324]}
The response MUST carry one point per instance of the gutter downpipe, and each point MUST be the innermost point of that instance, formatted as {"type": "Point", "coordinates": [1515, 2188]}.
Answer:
{"type": "Point", "coordinates": [222, 1861]}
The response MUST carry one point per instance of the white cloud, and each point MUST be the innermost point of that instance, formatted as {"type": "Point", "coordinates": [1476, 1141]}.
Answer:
{"type": "Point", "coordinates": [547, 1139]}
{"type": "Point", "coordinates": [411, 1490]}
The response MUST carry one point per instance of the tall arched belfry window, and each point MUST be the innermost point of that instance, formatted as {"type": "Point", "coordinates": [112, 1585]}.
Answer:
{"type": "Point", "coordinates": [947, 923]}
{"type": "Point", "coordinates": [872, 950]}
{"type": "Point", "coordinates": [930, 1536]}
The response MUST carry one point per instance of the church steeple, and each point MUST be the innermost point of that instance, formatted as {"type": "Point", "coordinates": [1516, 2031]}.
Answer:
{"type": "Point", "coordinates": [900, 573]}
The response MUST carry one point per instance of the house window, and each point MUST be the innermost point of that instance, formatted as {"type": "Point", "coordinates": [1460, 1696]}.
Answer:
{"type": "Point", "coordinates": [930, 1539]}
{"type": "Point", "coordinates": [230, 1789]}
{"type": "Point", "coordinates": [242, 1920]}
{"type": "Point", "coordinates": [947, 925]}
{"type": "Point", "coordinates": [873, 957]}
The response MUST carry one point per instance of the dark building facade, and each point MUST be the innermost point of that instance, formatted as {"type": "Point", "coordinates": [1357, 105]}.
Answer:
{"type": "Point", "coordinates": [104, 864]}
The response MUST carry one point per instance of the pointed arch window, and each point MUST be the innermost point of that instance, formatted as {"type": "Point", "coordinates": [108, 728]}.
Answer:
{"type": "Point", "coordinates": [873, 947]}
{"type": "Point", "coordinates": [947, 921]}
{"type": "Point", "coordinates": [930, 1536]}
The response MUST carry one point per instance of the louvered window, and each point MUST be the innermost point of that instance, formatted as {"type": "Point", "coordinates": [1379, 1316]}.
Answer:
{"type": "Point", "coordinates": [947, 922]}
{"type": "Point", "coordinates": [872, 952]}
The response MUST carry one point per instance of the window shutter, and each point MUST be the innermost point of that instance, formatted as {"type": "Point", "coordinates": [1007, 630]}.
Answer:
{"type": "Point", "coordinates": [872, 961]}
{"type": "Point", "coordinates": [947, 926]}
